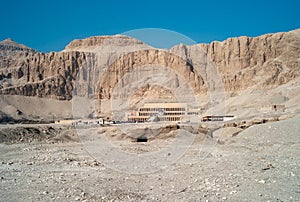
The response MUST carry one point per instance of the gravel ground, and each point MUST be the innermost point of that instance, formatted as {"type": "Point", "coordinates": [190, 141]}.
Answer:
{"type": "Point", "coordinates": [261, 163]}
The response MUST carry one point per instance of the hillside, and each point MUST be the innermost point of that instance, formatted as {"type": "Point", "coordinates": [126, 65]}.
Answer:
{"type": "Point", "coordinates": [93, 67]}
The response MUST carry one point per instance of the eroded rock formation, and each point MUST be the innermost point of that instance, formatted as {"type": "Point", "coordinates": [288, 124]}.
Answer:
{"type": "Point", "coordinates": [92, 67]}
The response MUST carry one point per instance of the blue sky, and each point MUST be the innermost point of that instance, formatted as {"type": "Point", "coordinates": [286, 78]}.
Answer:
{"type": "Point", "coordinates": [50, 25]}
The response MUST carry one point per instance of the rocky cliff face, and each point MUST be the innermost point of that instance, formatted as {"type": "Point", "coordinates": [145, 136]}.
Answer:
{"type": "Point", "coordinates": [93, 66]}
{"type": "Point", "coordinates": [243, 62]}
{"type": "Point", "coordinates": [150, 63]}
{"type": "Point", "coordinates": [26, 72]}
{"type": "Point", "coordinates": [40, 74]}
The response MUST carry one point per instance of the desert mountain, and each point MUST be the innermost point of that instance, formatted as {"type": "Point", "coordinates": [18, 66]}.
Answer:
{"type": "Point", "coordinates": [9, 45]}
{"type": "Point", "coordinates": [92, 67]}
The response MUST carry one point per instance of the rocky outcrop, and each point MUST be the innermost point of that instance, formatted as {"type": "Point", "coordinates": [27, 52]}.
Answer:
{"type": "Point", "coordinates": [8, 45]}
{"type": "Point", "coordinates": [156, 60]}
{"type": "Point", "coordinates": [115, 43]}
{"type": "Point", "coordinates": [243, 62]}
{"type": "Point", "coordinates": [93, 66]}
{"type": "Point", "coordinates": [59, 75]}
{"type": "Point", "coordinates": [44, 75]}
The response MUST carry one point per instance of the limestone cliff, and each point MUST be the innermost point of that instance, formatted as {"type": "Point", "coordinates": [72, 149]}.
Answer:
{"type": "Point", "coordinates": [243, 62]}
{"type": "Point", "coordinates": [40, 74]}
{"type": "Point", "coordinates": [93, 66]}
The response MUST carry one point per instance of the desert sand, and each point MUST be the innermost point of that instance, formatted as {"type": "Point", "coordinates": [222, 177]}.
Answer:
{"type": "Point", "coordinates": [261, 163]}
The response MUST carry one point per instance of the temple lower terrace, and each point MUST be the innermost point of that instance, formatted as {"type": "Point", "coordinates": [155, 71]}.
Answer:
{"type": "Point", "coordinates": [152, 112]}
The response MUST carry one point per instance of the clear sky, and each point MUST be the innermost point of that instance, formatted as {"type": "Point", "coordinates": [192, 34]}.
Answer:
{"type": "Point", "coordinates": [50, 25]}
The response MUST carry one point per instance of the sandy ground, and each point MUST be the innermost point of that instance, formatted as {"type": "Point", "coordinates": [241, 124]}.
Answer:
{"type": "Point", "coordinates": [259, 164]}
{"type": "Point", "coordinates": [34, 107]}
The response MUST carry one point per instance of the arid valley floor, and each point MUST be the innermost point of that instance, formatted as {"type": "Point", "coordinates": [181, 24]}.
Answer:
{"type": "Point", "coordinates": [259, 164]}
